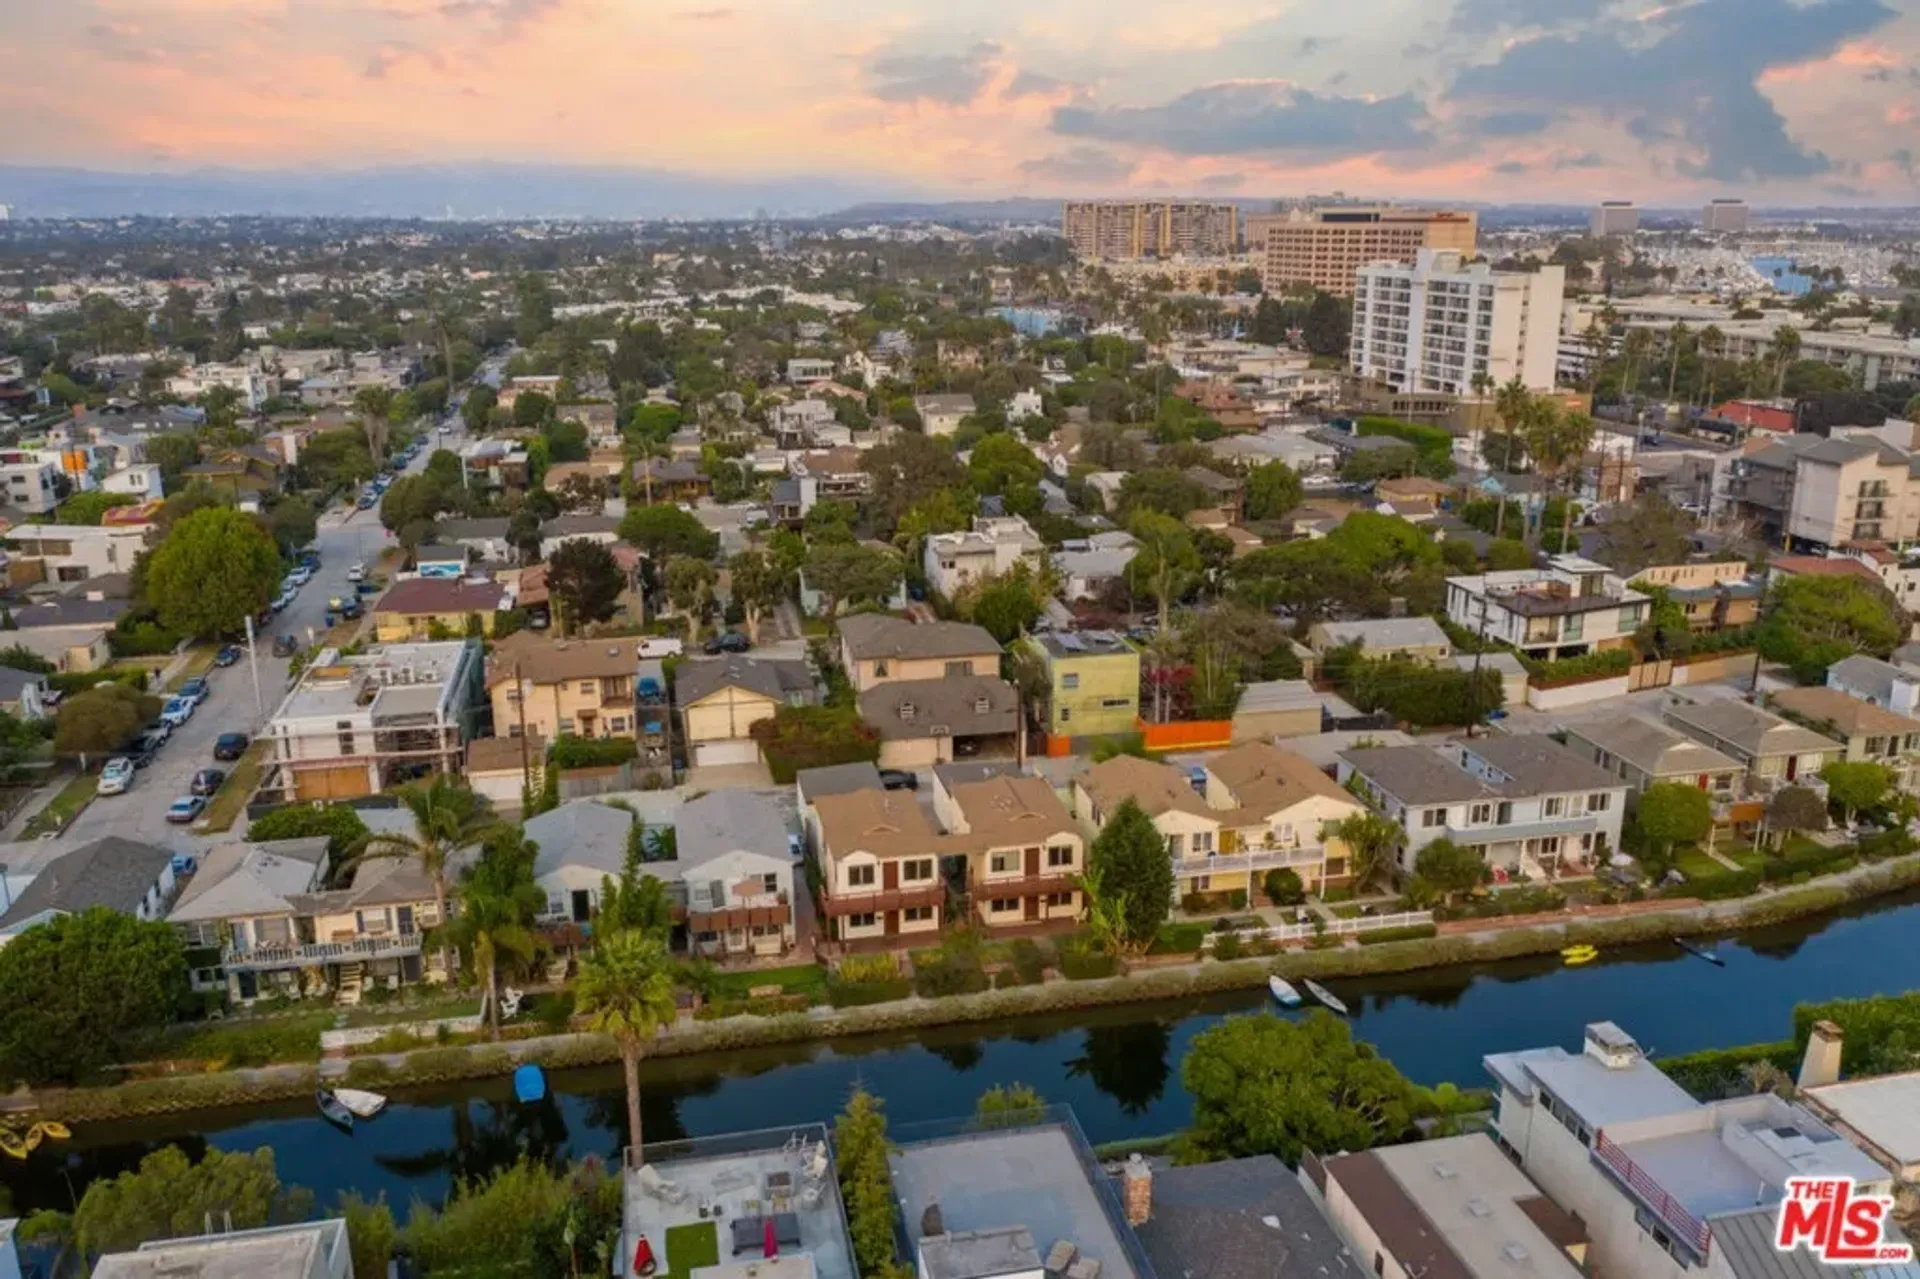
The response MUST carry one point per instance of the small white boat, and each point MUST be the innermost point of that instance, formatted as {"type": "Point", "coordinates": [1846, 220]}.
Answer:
{"type": "Point", "coordinates": [1283, 992]}
{"type": "Point", "coordinates": [363, 1104]}
{"type": "Point", "coordinates": [1324, 995]}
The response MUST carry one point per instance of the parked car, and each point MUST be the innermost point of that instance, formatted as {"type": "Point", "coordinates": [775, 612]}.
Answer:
{"type": "Point", "coordinates": [186, 809]}
{"type": "Point", "coordinates": [898, 779]}
{"type": "Point", "coordinates": [230, 746]}
{"type": "Point", "coordinates": [731, 642]}
{"type": "Point", "coordinates": [285, 646]}
{"type": "Point", "coordinates": [300, 576]}
{"type": "Point", "coordinates": [116, 777]}
{"type": "Point", "coordinates": [159, 731]}
{"type": "Point", "coordinates": [207, 781]}
{"type": "Point", "coordinates": [357, 572]}
{"type": "Point", "coordinates": [227, 656]}
{"type": "Point", "coordinates": [196, 688]}
{"type": "Point", "coordinates": [177, 711]}
{"type": "Point", "coordinates": [366, 502]}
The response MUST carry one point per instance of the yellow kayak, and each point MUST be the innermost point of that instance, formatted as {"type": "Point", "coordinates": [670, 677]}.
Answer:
{"type": "Point", "coordinates": [1579, 955]}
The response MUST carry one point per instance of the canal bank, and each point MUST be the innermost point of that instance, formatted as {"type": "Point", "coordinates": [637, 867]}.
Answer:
{"type": "Point", "coordinates": [1117, 1066]}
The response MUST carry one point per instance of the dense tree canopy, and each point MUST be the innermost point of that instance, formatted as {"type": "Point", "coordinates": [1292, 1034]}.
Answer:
{"type": "Point", "coordinates": [212, 571]}
{"type": "Point", "coordinates": [82, 991]}
{"type": "Point", "coordinates": [1812, 622]}
{"type": "Point", "coordinates": [1129, 858]}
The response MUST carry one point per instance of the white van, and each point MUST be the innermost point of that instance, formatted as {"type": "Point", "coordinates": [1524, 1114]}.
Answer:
{"type": "Point", "coordinates": [662, 646]}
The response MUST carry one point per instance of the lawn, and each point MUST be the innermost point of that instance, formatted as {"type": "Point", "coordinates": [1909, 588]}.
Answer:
{"type": "Point", "coordinates": [691, 1247]}
{"type": "Point", "coordinates": [244, 1041]}
{"type": "Point", "coordinates": [399, 1010]}
{"type": "Point", "coordinates": [1694, 864]}
{"type": "Point", "coordinates": [231, 799]}
{"type": "Point", "coordinates": [1178, 939]}
{"type": "Point", "coordinates": [62, 808]}
{"type": "Point", "coordinates": [1749, 857]}
{"type": "Point", "coordinates": [199, 662]}
{"type": "Point", "coordinates": [800, 979]}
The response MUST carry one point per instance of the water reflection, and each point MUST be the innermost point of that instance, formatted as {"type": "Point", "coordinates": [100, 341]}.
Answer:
{"type": "Point", "coordinates": [488, 1135]}
{"type": "Point", "coordinates": [1126, 1062]}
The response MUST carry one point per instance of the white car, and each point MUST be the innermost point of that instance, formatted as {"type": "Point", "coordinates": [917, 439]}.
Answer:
{"type": "Point", "coordinates": [300, 576]}
{"type": "Point", "coordinates": [116, 777]}
{"type": "Point", "coordinates": [177, 711]}
{"type": "Point", "coordinates": [356, 573]}
{"type": "Point", "coordinates": [285, 598]}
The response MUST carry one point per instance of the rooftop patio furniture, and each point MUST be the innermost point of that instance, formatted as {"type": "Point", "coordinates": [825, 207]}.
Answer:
{"type": "Point", "coordinates": [1084, 1268]}
{"type": "Point", "coordinates": [659, 1187]}
{"type": "Point", "coordinates": [751, 1232]}
{"type": "Point", "coordinates": [1060, 1256]}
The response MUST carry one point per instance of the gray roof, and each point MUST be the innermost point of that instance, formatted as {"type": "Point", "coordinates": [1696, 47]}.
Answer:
{"type": "Point", "coordinates": [111, 872]}
{"type": "Point", "coordinates": [1652, 747]}
{"type": "Point", "coordinates": [1424, 774]}
{"type": "Point", "coordinates": [239, 879]}
{"type": "Point", "coordinates": [1868, 677]}
{"type": "Point", "coordinates": [69, 611]}
{"type": "Point", "coordinates": [964, 772]}
{"type": "Point", "coordinates": [837, 779]}
{"type": "Point", "coordinates": [941, 707]}
{"type": "Point", "coordinates": [579, 525]}
{"type": "Point", "coordinates": [948, 402]}
{"type": "Point", "coordinates": [779, 678]}
{"type": "Point", "coordinates": [1538, 764]}
{"type": "Point", "coordinates": [13, 681]}
{"type": "Point", "coordinates": [1278, 695]}
{"type": "Point", "coordinates": [722, 822]}
{"type": "Point", "coordinates": [477, 530]}
{"type": "Point", "coordinates": [436, 554]}
{"type": "Point", "coordinates": [581, 833]}
{"type": "Point", "coordinates": [1598, 1094]}
{"type": "Point", "coordinates": [1747, 728]}
{"type": "Point", "coordinates": [1212, 1219]}
{"type": "Point", "coordinates": [874, 635]}
{"type": "Point", "coordinates": [1745, 1240]}
{"type": "Point", "coordinates": [1387, 633]}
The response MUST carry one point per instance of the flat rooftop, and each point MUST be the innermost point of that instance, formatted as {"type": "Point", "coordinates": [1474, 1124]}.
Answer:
{"type": "Point", "coordinates": [1884, 1111]}
{"type": "Point", "coordinates": [737, 1177]}
{"type": "Point", "coordinates": [1040, 1177]}
{"type": "Point", "coordinates": [400, 679]}
{"type": "Point", "coordinates": [277, 1252]}
{"type": "Point", "coordinates": [1596, 1093]}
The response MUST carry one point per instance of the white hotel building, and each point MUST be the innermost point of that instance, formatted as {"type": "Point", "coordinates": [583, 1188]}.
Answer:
{"type": "Point", "coordinates": [1432, 326]}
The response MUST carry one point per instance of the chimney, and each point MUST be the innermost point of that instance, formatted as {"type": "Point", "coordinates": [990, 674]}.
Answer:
{"type": "Point", "coordinates": [1821, 1065]}
{"type": "Point", "coordinates": [1137, 1191]}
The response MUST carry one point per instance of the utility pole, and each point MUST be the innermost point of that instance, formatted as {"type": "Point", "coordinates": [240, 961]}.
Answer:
{"type": "Point", "coordinates": [526, 746]}
{"type": "Point", "coordinates": [1473, 682]}
{"type": "Point", "coordinates": [253, 666]}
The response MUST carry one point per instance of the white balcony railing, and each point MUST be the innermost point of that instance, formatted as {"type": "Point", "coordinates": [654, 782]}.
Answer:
{"type": "Point", "coordinates": [300, 954]}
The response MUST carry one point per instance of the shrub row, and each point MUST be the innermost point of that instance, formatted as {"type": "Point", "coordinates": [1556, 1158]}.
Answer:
{"type": "Point", "coordinates": [857, 994]}
{"type": "Point", "coordinates": [1569, 670]}
{"type": "Point", "coordinates": [1411, 932]}
{"type": "Point", "coordinates": [1720, 1072]}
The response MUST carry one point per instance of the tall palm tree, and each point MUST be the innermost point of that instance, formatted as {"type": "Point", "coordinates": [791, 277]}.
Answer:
{"type": "Point", "coordinates": [1783, 350]}
{"type": "Point", "coordinates": [498, 903]}
{"type": "Point", "coordinates": [1575, 437]}
{"type": "Point", "coordinates": [447, 817]}
{"type": "Point", "coordinates": [1676, 347]}
{"type": "Point", "coordinates": [1711, 343]}
{"type": "Point", "coordinates": [1636, 346]}
{"type": "Point", "coordinates": [626, 990]}
{"type": "Point", "coordinates": [1510, 405]}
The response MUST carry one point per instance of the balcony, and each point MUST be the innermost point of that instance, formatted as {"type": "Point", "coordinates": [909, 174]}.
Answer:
{"type": "Point", "coordinates": [305, 954]}
{"type": "Point", "coordinates": [988, 888]}
{"type": "Point", "coordinates": [838, 904]}
{"type": "Point", "coordinates": [1688, 1230]}
{"type": "Point", "coordinates": [1258, 858]}
{"type": "Point", "coordinates": [708, 914]}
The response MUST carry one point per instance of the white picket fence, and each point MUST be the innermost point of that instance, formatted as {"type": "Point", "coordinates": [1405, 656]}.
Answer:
{"type": "Point", "coordinates": [1284, 933]}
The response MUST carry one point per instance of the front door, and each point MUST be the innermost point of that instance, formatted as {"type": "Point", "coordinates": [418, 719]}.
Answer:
{"type": "Point", "coordinates": [249, 984]}
{"type": "Point", "coordinates": [406, 921]}
{"type": "Point", "coordinates": [1033, 907]}
{"type": "Point", "coordinates": [582, 905]}
{"type": "Point", "coordinates": [890, 876]}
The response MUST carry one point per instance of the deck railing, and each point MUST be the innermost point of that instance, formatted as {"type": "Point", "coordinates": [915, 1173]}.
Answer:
{"type": "Point", "coordinates": [1686, 1227]}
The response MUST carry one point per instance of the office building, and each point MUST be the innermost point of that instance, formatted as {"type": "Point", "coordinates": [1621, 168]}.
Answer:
{"type": "Point", "coordinates": [1722, 217]}
{"type": "Point", "coordinates": [1614, 217]}
{"type": "Point", "coordinates": [1326, 248]}
{"type": "Point", "coordinates": [1120, 230]}
{"type": "Point", "coordinates": [1437, 325]}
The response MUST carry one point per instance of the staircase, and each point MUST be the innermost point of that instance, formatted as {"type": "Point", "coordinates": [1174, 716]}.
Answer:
{"type": "Point", "coordinates": [352, 978]}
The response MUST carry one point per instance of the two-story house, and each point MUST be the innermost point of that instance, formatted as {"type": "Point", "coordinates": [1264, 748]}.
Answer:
{"type": "Point", "coordinates": [877, 649]}
{"type": "Point", "coordinates": [1715, 596]}
{"type": "Point", "coordinates": [1643, 752]}
{"type": "Point", "coordinates": [373, 931]}
{"type": "Point", "coordinates": [942, 414]}
{"type": "Point", "coordinates": [118, 874]}
{"type": "Point", "coordinates": [564, 688]}
{"type": "Point", "coordinates": [1772, 750]}
{"type": "Point", "coordinates": [1526, 803]}
{"type": "Point", "coordinates": [1417, 639]}
{"type": "Point", "coordinates": [239, 904]}
{"type": "Point", "coordinates": [953, 562]}
{"type": "Point", "coordinates": [735, 867]}
{"type": "Point", "coordinates": [1025, 855]}
{"type": "Point", "coordinates": [1277, 807]}
{"type": "Point", "coordinates": [485, 539]}
{"type": "Point", "coordinates": [426, 608]}
{"type": "Point", "coordinates": [581, 844]}
{"type": "Point", "coordinates": [1093, 681]}
{"type": "Point", "coordinates": [1572, 607]}
{"type": "Point", "coordinates": [1867, 733]}
{"type": "Point", "coordinates": [77, 552]}
{"type": "Point", "coordinates": [880, 870]}
{"type": "Point", "coordinates": [671, 480]}
{"type": "Point", "coordinates": [1180, 813]}
{"type": "Point", "coordinates": [721, 699]}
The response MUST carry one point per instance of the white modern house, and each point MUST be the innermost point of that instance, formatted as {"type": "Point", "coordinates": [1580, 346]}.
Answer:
{"type": "Point", "coordinates": [955, 561]}
{"type": "Point", "coordinates": [735, 863]}
{"type": "Point", "coordinates": [1526, 803]}
{"type": "Point", "coordinates": [1571, 607]}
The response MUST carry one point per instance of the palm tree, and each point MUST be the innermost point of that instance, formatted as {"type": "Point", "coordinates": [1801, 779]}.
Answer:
{"type": "Point", "coordinates": [1783, 350]}
{"type": "Point", "coordinates": [1711, 343]}
{"type": "Point", "coordinates": [626, 990]}
{"type": "Point", "coordinates": [1510, 405]}
{"type": "Point", "coordinates": [1636, 346]}
{"type": "Point", "coordinates": [1676, 346]}
{"type": "Point", "coordinates": [447, 817]}
{"type": "Point", "coordinates": [1575, 438]}
{"type": "Point", "coordinates": [498, 904]}
{"type": "Point", "coordinates": [1371, 840]}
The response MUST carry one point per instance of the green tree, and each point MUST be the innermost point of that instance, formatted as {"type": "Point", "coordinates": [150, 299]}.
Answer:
{"type": "Point", "coordinates": [866, 1185]}
{"type": "Point", "coordinates": [90, 507]}
{"type": "Point", "coordinates": [1373, 844]}
{"type": "Point", "coordinates": [81, 991]}
{"type": "Point", "coordinates": [1000, 462]}
{"type": "Point", "coordinates": [1450, 868]}
{"type": "Point", "coordinates": [666, 531]}
{"type": "Point", "coordinates": [169, 1196]}
{"type": "Point", "coordinates": [477, 409]}
{"type": "Point", "coordinates": [625, 990]}
{"type": "Point", "coordinates": [371, 1232]}
{"type": "Point", "coordinates": [1861, 784]}
{"type": "Point", "coordinates": [1673, 813]}
{"type": "Point", "coordinates": [1812, 622]}
{"type": "Point", "coordinates": [339, 823]}
{"type": "Point", "coordinates": [1009, 1106]}
{"type": "Point", "coordinates": [1167, 563]}
{"type": "Point", "coordinates": [756, 586]}
{"type": "Point", "coordinates": [1130, 857]}
{"type": "Point", "coordinates": [1005, 607]}
{"type": "Point", "coordinates": [1273, 491]}
{"type": "Point", "coordinates": [585, 579]}
{"type": "Point", "coordinates": [293, 523]}
{"type": "Point", "coordinates": [1327, 329]}
{"type": "Point", "coordinates": [211, 572]}
{"type": "Point", "coordinates": [690, 591]}
{"type": "Point", "coordinates": [1651, 530]}
{"type": "Point", "coordinates": [1161, 489]}
{"type": "Point", "coordinates": [1795, 809]}
{"type": "Point", "coordinates": [1504, 555]}
{"type": "Point", "coordinates": [447, 817]}
{"type": "Point", "coordinates": [499, 902]}
{"type": "Point", "coordinates": [851, 573]}
{"type": "Point", "coordinates": [906, 471]}
{"type": "Point", "coordinates": [101, 719]}
{"type": "Point", "coordinates": [637, 901]}
{"type": "Point", "coordinates": [1268, 1086]}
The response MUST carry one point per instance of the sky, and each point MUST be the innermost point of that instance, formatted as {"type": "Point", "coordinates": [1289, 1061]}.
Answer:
{"type": "Point", "coordinates": [1493, 100]}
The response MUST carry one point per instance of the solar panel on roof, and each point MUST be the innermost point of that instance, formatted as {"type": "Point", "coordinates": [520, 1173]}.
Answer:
{"type": "Point", "coordinates": [1069, 640]}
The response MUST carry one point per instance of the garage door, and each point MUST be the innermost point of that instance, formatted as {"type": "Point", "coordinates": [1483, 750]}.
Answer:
{"type": "Point", "coordinates": [714, 754]}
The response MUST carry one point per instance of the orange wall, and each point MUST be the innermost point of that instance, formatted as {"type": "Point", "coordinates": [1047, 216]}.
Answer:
{"type": "Point", "coordinates": [1190, 735]}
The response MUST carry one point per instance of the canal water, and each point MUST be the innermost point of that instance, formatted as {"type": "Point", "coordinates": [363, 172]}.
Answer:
{"type": "Point", "coordinates": [1119, 1068]}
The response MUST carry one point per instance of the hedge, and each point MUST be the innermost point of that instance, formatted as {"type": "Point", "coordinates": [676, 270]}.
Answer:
{"type": "Point", "coordinates": [1721, 1072]}
{"type": "Point", "coordinates": [1572, 670]}
{"type": "Point", "coordinates": [856, 994]}
{"type": "Point", "coordinates": [1411, 932]}
{"type": "Point", "coordinates": [71, 682]}
{"type": "Point", "coordinates": [593, 752]}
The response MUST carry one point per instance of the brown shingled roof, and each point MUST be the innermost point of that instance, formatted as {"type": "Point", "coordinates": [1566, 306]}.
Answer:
{"type": "Point", "coordinates": [883, 822]}
{"type": "Point", "coordinates": [1011, 810]}
{"type": "Point", "coordinates": [548, 661]}
{"type": "Point", "coordinates": [423, 595]}
{"type": "Point", "coordinates": [1266, 779]}
{"type": "Point", "coordinates": [1157, 788]}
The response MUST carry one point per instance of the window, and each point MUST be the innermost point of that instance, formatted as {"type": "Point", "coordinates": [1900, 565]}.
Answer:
{"type": "Point", "coordinates": [1060, 855]}
{"type": "Point", "coordinates": [880, 669]}
{"type": "Point", "coordinates": [1059, 899]}
{"type": "Point", "coordinates": [1504, 815]}
{"type": "Point", "coordinates": [1203, 842]}
{"type": "Point", "coordinates": [1003, 863]}
{"type": "Point", "coordinates": [1201, 883]}
{"type": "Point", "coordinates": [917, 914]}
{"type": "Point", "coordinates": [589, 687]}
{"type": "Point", "coordinates": [959, 668]}
{"type": "Point", "coordinates": [861, 921]}
{"type": "Point", "coordinates": [770, 883]}
{"type": "Point", "coordinates": [1555, 806]}
{"type": "Point", "coordinates": [566, 724]}
{"type": "Point", "coordinates": [1480, 814]}
{"type": "Point", "coordinates": [1069, 681]}
{"type": "Point", "coordinates": [1599, 802]}
{"type": "Point", "coordinates": [1066, 714]}
{"type": "Point", "coordinates": [860, 876]}
{"type": "Point", "coordinates": [1003, 905]}
{"type": "Point", "coordinates": [1433, 817]}
{"type": "Point", "coordinates": [618, 724]}
{"type": "Point", "coordinates": [345, 728]}
{"type": "Point", "coordinates": [914, 871]}
{"type": "Point", "coordinates": [1115, 703]}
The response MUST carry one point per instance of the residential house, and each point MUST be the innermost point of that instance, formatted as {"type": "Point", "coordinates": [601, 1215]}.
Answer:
{"type": "Point", "coordinates": [71, 632]}
{"type": "Point", "coordinates": [1526, 803]}
{"type": "Point", "coordinates": [118, 874]}
{"type": "Point", "coordinates": [1277, 708]}
{"type": "Point", "coordinates": [1644, 752]}
{"type": "Point", "coordinates": [1275, 807]}
{"type": "Point", "coordinates": [879, 860]}
{"type": "Point", "coordinates": [1089, 568]}
{"type": "Point", "coordinates": [1447, 1208]}
{"type": "Point", "coordinates": [877, 649]}
{"type": "Point", "coordinates": [23, 693]}
{"type": "Point", "coordinates": [836, 475]}
{"type": "Point", "coordinates": [309, 1250]}
{"type": "Point", "coordinates": [601, 421]}
{"type": "Point", "coordinates": [721, 699]}
{"type": "Point", "coordinates": [30, 484]}
{"type": "Point", "coordinates": [1715, 596]}
{"type": "Point", "coordinates": [1418, 639]}
{"type": "Point", "coordinates": [1027, 854]}
{"type": "Point", "coordinates": [496, 464]}
{"type": "Point", "coordinates": [1224, 492]}
{"type": "Point", "coordinates": [246, 473]}
{"type": "Point", "coordinates": [424, 608]}
{"type": "Point", "coordinates": [1868, 733]}
{"type": "Point", "coordinates": [926, 722]}
{"type": "Point", "coordinates": [485, 539]}
{"type": "Point", "coordinates": [942, 414]}
{"type": "Point", "coordinates": [500, 768]}
{"type": "Point", "coordinates": [954, 562]}
{"type": "Point", "coordinates": [547, 384]}
{"type": "Point", "coordinates": [1572, 607]}
{"type": "Point", "coordinates": [564, 688]}
{"type": "Point", "coordinates": [372, 933]}
{"type": "Point", "coordinates": [1416, 489]}
{"type": "Point", "coordinates": [676, 480]}
{"type": "Point", "coordinates": [735, 864]}
{"type": "Point", "coordinates": [814, 604]}
{"type": "Point", "coordinates": [1890, 687]}
{"type": "Point", "coordinates": [142, 482]}
{"type": "Point", "coordinates": [603, 530]}
{"type": "Point", "coordinates": [76, 552]}
{"type": "Point", "coordinates": [354, 726]}
{"type": "Point", "coordinates": [805, 371]}
{"type": "Point", "coordinates": [1093, 681]}
{"type": "Point", "coordinates": [239, 904]}
{"type": "Point", "coordinates": [1771, 749]}
{"type": "Point", "coordinates": [1230, 1212]}
{"type": "Point", "coordinates": [581, 845]}
{"type": "Point", "coordinates": [1667, 1187]}
{"type": "Point", "coordinates": [1179, 812]}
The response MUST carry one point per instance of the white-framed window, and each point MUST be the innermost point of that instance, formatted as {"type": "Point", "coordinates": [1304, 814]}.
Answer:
{"type": "Point", "coordinates": [861, 921]}
{"type": "Point", "coordinates": [1555, 806]}
{"type": "Point", "coordinates": [1201, 883]}
{"type": "Point", "coordinates": [917, 914]}
{"type": "Point", "coordinates": [1599, 802]}
{"type": "Point", "coordinates": [589, 687]}
{"type": "Point", "coordinates": [1003, 863]}
{"type": "Point", "coordinates": [1433, 817]}
{"type": "Point", "coordinates": [1060, 855]}
{"type": "Point", "coordinates": [1059, 899]}
{"type": "Point", "coordinates": [914, 871]}
{"type": "Point", "coordinates": [860, 876]}
{"type": "Point", "coordinates": [1480, 814]}
{"type": "Point", "coordinates": [1069, 681]}
{"type": "Point", "coordinates": [1003, 905]}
